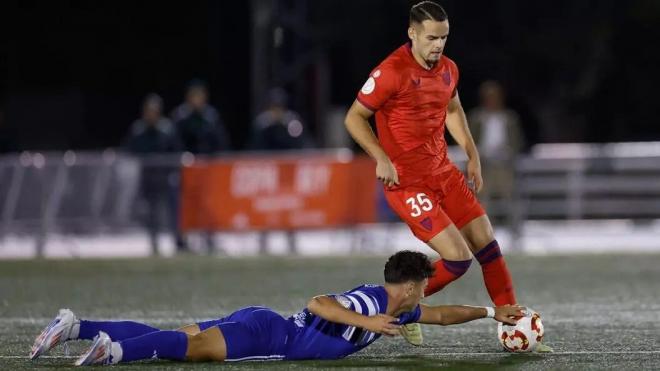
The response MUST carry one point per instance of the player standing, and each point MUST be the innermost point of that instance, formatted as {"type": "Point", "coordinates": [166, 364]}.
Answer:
{"type": "Point", "coordinates": [414, 96]}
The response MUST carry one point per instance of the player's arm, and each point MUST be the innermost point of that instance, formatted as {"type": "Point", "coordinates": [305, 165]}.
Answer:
{"type": "Point", "coordinates": [329, 309]}
{"type": "Point", "coordinates": [357, 124]}
{"type": "Point", "coordinates": [454, 314]}
{"type": "Point", "coordinates": [458, 128]}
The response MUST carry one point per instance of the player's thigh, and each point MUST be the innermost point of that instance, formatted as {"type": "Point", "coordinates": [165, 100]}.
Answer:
{"type": "Point", "coordinates": [208, 345]}
{"type": "Point", "coordinates": [420, 210]}
{"type": "Point", "coordinates": [254, 333]}
{"type": "Point", "coordinates": [450, 244]}
{"type": "Point", "coordinates": [459, 202]}
{"type": "Point", "coordinates": [478, 233]}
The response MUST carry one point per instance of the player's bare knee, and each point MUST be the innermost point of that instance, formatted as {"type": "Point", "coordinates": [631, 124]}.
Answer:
{"type": "Point", "coordinates": [189, 329]}
{"type": "Point", "coordinates": [451, 245]}
{"type": "Point", "coordinates": [206, 346]}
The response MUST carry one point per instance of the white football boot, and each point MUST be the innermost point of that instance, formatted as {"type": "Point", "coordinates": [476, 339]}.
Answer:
{"type": "Point", "coordinates": [412, 332]}
{"type": "Point", "coordinates": [58, 331]}
{"type": "Point", "coordinates": [99, 353]}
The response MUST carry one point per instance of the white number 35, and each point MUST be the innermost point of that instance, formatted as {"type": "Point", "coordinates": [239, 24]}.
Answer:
{"type": "Point", "coordinates": [419, 203]}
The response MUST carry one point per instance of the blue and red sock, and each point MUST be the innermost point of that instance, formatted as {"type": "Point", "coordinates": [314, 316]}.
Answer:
{"type": "Point", "coordinates": [496, 274]}
{"type": "Point", "coordinates": [446, 271]}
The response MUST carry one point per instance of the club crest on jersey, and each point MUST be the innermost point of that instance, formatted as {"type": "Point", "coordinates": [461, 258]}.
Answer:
{"type": "Point", "coordinates": [446, 77]}
{"type": "Point", "coordinates": [368, 86]}
{"type": "Point", "coordinates": [344, 301]}
{"type": "Point", "coordinates": [427, 223]}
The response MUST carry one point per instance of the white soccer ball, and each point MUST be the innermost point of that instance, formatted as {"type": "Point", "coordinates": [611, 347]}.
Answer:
{"type": "Point", "coordinates": [524, 336]}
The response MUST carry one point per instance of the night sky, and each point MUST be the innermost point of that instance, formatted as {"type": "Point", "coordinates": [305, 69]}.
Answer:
{"type": "Point", "coordinates": [77, 71]}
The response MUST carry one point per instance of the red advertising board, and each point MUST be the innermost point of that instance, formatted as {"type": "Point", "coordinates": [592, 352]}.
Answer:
{"type": "Point", "coordinates": [315, 191]}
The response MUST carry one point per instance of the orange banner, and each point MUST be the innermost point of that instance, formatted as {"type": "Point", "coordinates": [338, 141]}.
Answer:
{"type": "Point", "coordinates": [316, 191]}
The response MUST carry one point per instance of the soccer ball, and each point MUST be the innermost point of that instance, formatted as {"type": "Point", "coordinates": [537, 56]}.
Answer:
{"type": "Point", "coordinates": [524, 336]}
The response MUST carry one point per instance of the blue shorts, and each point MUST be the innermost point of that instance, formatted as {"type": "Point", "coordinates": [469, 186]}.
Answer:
{"type": "Point", "coordinates": [254, 333]}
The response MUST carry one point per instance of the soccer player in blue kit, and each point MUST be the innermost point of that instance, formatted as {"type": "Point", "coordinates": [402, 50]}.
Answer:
{"type": "Point", "coordinates": [330, 327]}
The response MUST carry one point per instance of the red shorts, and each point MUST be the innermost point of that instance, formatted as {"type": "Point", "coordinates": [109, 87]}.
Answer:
{"type": "Point", "coordinates": [431, 206]}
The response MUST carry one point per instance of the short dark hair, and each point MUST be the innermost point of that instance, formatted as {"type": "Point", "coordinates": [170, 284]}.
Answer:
{"type": "Point", "coordinates": [407, 266]}
{"type": "Point", "coordinates": [197, 84]}
{"type": "Point", "coordinates": [427, 10]}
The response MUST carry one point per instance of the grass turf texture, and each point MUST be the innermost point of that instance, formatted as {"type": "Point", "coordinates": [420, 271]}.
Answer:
{"type": "Point", "coordinates": [598, 311]}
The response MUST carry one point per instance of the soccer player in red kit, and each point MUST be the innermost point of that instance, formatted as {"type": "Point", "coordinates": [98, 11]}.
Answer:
{"type": "Point", "coordinates": [414, 96]}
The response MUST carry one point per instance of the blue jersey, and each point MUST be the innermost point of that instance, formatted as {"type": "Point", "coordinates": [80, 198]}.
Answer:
{"type": "Point", "coordinates": [317, 338]}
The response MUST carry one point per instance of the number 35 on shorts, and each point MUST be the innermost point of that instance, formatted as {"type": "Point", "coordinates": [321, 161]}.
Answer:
{"type": "Point", "coordinates": [419, 203]}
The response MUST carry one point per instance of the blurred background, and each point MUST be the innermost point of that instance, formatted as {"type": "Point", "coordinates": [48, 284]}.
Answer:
{"type": "Point", "coordinates": [216, 127]}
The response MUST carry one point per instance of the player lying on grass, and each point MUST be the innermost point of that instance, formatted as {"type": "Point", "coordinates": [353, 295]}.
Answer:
{"type": "Point", "coordinates": [330, 327]}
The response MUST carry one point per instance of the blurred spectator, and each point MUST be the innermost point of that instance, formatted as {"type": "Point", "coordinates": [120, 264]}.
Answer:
{"type": "Point", "coordinates": [199, 127]}
{"type": "Point", "coordinates": [497, 133]}
{"type": "Point", "coordinates": [150, 136]}
{"type": "Point", "coordinates": [278, 127]}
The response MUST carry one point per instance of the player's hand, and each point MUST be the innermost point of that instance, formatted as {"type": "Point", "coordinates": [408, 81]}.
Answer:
{"type": "Point", "coordinates": [508, 314]}
{"type": "Point", "coordinates": [475, 181]}
{"type": "Point", "coordinates": [382, 324]}
{"type": "Point", "coordinates": [386, 172]}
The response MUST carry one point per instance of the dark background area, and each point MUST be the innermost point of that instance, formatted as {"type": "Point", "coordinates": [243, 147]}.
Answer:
{"type": "Point", "coordinates": [74, 73]}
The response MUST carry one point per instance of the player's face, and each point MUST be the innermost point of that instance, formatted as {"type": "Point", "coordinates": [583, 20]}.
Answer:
{"type": "Point", "coordinates": [416, 293]}
{"type": "Point", "coordinates": [197, 98]}
{"type": "Point", "coordinates": [429, 39]}
{"type": "Point", "coordinates": [151, 113]}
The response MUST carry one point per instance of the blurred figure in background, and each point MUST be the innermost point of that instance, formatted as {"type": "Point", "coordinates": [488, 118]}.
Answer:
{"type": "Point", "coordinates": [497, 132]}
{"type": "Point", "coordinates": [198, 124]}
{"type": "Point", "coordinates": [278, 127]}
{"type": "Point", "coordinates": [150, 136]}
{"type": "Point", "coordinates": [200, 130]}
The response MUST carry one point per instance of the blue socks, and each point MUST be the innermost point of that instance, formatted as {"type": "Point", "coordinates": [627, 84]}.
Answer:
{"type": "Point", "coordinates": [171, 345]}
{"type": "Point", "coordinates": [117, 330]}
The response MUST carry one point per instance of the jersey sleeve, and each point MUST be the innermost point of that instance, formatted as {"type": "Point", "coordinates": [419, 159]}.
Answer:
{"type": "Point", "coordinates": [344, 301]}
{"type": "Point", "coordinates": [383, 82]}
{"type": "Point", "coordinates": [410, 317]}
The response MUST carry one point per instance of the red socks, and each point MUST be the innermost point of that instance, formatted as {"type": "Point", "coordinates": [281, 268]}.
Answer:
{"type": "Point", "coordinates": [446, 271]}
{"type": "Point", "coordinates": [496, 275]}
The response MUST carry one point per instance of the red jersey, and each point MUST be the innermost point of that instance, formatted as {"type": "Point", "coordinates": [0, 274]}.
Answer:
{"type": "Point", "coordinates": [411, 107]}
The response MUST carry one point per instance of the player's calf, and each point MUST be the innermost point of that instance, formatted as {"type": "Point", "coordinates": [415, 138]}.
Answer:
{"type": "Point", "coordinates": [496, 274]}
{"type": "Point", "coordinates": [446, 271]}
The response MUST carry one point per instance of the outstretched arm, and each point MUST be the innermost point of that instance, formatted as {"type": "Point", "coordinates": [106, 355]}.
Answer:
{"type": "Point", "coordinates": [458, 128]}
{"type": "Point", "coordinates": [455, 314]}
{"type": "Point", "coordinates": [357, 124]}
{"type": "Point", "coordinates": [330, 310]}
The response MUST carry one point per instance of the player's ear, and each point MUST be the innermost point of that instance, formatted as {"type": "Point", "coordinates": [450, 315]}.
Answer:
{"type": "Point", "coordinates": [412, 34]}
{"type": "Point", "coordinates": [410, 288]}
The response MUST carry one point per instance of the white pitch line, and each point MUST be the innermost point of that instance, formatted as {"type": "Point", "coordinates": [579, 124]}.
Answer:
{"type": "Point", "coordinates": [46, 357]}
{"type": "Point", "coordinates": [160, 320]}
{"type": "Point", "coordinates": [554, 353]}
{"type": "Point", "coordinates": [643, 352]}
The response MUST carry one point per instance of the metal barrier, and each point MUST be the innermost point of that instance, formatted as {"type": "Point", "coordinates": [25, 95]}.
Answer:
{"type": "Point", "coordinates": [98, 192]}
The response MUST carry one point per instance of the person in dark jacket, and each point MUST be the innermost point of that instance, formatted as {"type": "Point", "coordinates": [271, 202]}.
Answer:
{"type": "Point", "coordinates": [153, 139]}
{"type": "Point", "coordinates": [199, 126]}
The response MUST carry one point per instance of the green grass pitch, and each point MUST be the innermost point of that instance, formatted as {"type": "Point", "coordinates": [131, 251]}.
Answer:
{"type": "Point", "coordinates": [598, 311]}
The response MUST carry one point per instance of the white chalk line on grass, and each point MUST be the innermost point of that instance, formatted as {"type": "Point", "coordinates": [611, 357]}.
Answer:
{"type": "Point", "coordinates": [160, 320]}
{"type": "Point", "coordinates": [451, 354]}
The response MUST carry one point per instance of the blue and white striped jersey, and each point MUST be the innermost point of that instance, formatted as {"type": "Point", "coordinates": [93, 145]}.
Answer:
{"type": "Point", "coordinates": [321, 339]}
